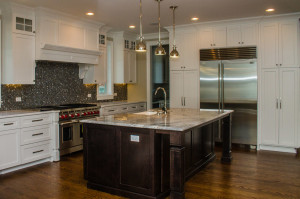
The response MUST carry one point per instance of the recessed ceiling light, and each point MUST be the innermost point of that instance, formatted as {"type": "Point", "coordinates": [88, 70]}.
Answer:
{"type": "Point", "coordinates": [194, 18]}
{"type": "Point", "coordinates": [89, 13]}
{"type": "Point", "coordinates": [132, 26]}
{"type": "Point", "coordinates": [270, 10]}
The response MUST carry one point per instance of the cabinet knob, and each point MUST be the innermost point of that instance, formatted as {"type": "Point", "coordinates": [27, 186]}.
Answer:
{"type": "Point", "coordinates": [280, 64]}
{"type": "Point", "coordinates": [276, 64]}
{"type": "Point", "coordinates": [211, 45]}
{"type": "Point", "coordinates": [239, 42]}
{"type": "Point", "coordinates": [242, 42]}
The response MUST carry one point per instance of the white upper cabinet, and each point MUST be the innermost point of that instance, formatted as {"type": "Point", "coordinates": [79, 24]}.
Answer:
{"type": "Point", "coordinates": [213, 37]}
{"type": "Point", "coordinates": [19, 43]}
{"type": "Point", "coordinates": [186, 43]}
{"type": "Point", "coordinates": [124, 58]}
{"type": "Point", "coordinates": [279, 44]}
{"type": "Point", "coordinates": [63, 38]}
{"type": "Point", "coordinates": [242, 35]}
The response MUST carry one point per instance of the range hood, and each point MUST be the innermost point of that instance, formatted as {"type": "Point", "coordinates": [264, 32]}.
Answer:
{"type": "Point", "coordinates": [50, 52]}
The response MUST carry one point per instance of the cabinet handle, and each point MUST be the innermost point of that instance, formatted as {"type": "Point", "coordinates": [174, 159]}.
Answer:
{"type": "Point", "coordinates": [280, 103]}
{"type": "Point", "coordinates": [276, 103]}
{"type": "Point", "coordinates": [124, 108]}
{"type": "Point", "coordinates": [111, 110]}
{"type": "Point", "coordinates": [211, 45]}
{"type": "Point", "coordinates": [133, 107]}
{"type": "Point", "coordinates": [130, 81]}
{"type": "Point", "coordinates": [184, 101]}
{"type": "Point", "coordinates": [276, 64]}
{"type": "Point", "coordinates": [37, 134]}
{"type": "Point", "coordinates": [242, 42]}
{"type": "Point", "coordinates": [214, 44]}
{"type": "Point", "coordinates": [38, 151]}
{"type": "Point", "coordinates": [39, 120]}
{"type": "Point", "coordinates": [280, 64]}
{"type": "Point", "coordinates": [8, 124]}
{"type": "Point", "coordinates": [181, 102]}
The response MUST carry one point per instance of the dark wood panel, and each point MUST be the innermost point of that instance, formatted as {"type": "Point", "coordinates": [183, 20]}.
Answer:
{"type": "Point", "coordinates": [101, 154]}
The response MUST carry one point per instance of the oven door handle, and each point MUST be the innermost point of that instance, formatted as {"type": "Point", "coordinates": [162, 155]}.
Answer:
{"type": "Point", "coordinates": [70, 122]}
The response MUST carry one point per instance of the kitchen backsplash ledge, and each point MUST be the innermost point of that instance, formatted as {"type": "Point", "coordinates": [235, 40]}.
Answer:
{"type": "Point", "coordinates": [56, 83]}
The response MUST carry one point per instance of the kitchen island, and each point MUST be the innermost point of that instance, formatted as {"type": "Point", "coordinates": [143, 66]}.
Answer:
{"type": "Point", "coordinates": [145, 155]}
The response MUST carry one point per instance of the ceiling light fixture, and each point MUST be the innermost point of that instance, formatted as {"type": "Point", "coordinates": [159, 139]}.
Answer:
{"type": "Point", "coordinates": [194, 18]}
{"type": "Point", "coordinates": [89, 13]}
{"type": "Point", "coordinates": [174, 53]}
{"type": "Point", "coordinates": [159, 50]}
{"type": "Point", "coordinates": [141, 47]}
{"type": "Point", "coordinates": [270, 10]}
{"type": "Point", "coordinates": [132, 26]}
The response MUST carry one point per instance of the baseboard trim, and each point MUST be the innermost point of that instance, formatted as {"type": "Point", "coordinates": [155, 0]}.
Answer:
{"type": "Point", "coordinates": [25, 166]}
{"type": "Point", "coordinates": [277, 148]}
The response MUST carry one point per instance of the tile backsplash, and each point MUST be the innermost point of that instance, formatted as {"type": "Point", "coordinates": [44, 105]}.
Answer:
{"type": "Point", "coordinates": [55, 83]}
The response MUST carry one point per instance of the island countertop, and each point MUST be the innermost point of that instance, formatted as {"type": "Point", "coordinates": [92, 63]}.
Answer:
{"type": "Point", "coordinates": [177, 119]}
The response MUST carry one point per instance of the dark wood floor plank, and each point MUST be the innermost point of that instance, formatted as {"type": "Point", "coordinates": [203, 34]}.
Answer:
{"type": "Point", "coordinates": [252, 175]}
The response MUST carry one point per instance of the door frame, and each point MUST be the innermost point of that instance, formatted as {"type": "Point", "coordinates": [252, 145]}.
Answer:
{"type": "Point", "coordinates": [149, 71]}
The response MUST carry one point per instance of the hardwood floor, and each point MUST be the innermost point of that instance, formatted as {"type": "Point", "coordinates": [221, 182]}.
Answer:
{"type": "Point", "coordinates": [259, 175]}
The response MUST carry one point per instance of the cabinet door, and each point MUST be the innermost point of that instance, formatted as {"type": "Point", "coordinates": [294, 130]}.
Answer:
{"type": "Point", "coordinates": [48, 29]}
{"type": "Point", "coordinates": [288, 106]}
{"type": "Point", "coordinates": [101, 69]}
{"type": "Point", "coordinates": [269, 106]}
{"type": "Point", "coordinates": [9, 148]}
{"type": "Point", "coordinates": [91, 39]}
{"type": "Point", "coordinates": [126, 66]}
{"type": "Point", "coordinates": [191, 89]}
{"type": "Point", "coordinates": [269, 45]}
{"type": "Point", "coordinates": [206, 38]}
{"type": "Point", "coordinates": [132, 67]}
{"type": "Point", "coordinates": [23, 59]}
{"type": "Point", "coordinates": [234, 35]}
{"type": "Point", "coordinates": [190, 52]}
{"type": "Point", "coordinates": [176, 89]}
{"type": "Point", "coordinates": [71, 34]}
{"type": "Point", "coordinates": [288, 53]}
{"type": "Point", "coordinates": [249, 34]}
{"type": "Point", "coordinates": [24, 23]}
{"type": "Point", "coordinates": [220, 37]}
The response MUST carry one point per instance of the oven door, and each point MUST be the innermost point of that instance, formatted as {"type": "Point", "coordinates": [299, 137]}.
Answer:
{"type": "Point", "coordinates": [66, 135]}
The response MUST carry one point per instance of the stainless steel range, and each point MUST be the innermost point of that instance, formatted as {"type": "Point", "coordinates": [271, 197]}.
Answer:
{"type": "Point", "coordinates": [70, 128]}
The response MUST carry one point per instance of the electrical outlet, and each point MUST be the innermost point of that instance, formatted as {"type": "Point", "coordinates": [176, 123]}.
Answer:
{"type": "Point", "coordinates": [89, 95]}
{"type": "Point", "coordinates": [115, 94]}
{"type": "Point", "coordinates": [18, 99]}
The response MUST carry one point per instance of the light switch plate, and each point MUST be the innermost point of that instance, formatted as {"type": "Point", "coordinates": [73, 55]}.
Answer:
{"type": "Point", "coordinates": [115, 94]}
{"type": "Point", "coordinates": [134, 138]}
{"type": "Point", "coordinates": [18, 99]}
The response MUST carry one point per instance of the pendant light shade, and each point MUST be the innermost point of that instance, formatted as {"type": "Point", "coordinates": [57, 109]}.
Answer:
{"type": "Point", "coordinates": [159, 50]}
{"type": "Point", "coordinates": [141, 46]}
{"type": "Point", "coordinates": [174, 53]}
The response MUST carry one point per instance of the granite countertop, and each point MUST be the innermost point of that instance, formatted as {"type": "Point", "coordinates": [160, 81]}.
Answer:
{"type": "Point", "coordinates": [177, 119]}
{"type": "Point", "coordinates": [24, 112]}
{"type": "Point", "coordinates": [114, 103]}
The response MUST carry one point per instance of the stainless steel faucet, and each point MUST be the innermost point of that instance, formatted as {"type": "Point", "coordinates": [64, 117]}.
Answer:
{"type": "Point", "coordinates": [165, 94]}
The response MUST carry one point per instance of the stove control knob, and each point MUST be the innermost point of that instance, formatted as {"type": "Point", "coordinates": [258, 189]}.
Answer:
{"type": "Point", "coordinates": [89, 113]}
{"type": "Point", "coordinates": [66, 116]}
{"type": "Point", "coordinates": [84, 113]}
{"type": "Point", "coordinates": [97, 112]}
{"type": "Point", "coordinates": [77, 115]}
{"type": "Point", "coordinates": [72, 115]}
{"type": "Point", "coordinates": [61, 117]}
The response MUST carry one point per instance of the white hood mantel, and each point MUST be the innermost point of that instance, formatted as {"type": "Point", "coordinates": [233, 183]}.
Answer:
{"type": "Point", "coordinates": [64, 38]}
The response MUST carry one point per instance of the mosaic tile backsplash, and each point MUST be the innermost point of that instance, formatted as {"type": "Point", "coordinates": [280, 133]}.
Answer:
{"type": "Point", "coordinates": [55, 83]}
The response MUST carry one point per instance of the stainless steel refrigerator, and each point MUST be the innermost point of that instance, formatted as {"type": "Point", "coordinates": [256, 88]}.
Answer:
{"type": "Point", "coordinates": [228, 80]}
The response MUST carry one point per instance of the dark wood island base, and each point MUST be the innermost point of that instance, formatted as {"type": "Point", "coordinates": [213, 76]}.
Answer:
{"type": "Point", "coordinates": [146, 163]}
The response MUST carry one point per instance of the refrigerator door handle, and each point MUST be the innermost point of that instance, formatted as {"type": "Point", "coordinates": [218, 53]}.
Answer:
{"type": "Point", "coordinates": [222, 84]}
{"type": "Point", "coordinates": [219, 85]}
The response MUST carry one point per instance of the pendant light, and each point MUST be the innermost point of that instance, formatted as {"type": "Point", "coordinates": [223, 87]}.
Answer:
{"type": "Point", "coordinates": [159, 50]}
{"type": "Point", "coordinates": [174, 53]}
{"type": "Point", "coordinates": [141, 46]}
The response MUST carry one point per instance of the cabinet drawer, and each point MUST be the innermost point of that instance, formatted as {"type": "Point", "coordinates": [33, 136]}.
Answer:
{"type": "Point", "coordinates": [142, 107]}
{"type": "Point", "coordinates": [109, 111]}
{"type": "Point", "coordinates": [36, 120]}
{"type": "Point", "coordinates": [35, 134]}
{"type": "Point", "coordinates": [123, 109]}
{"type": "Point", "coordinates": [133, 107]}
{"type": "Point", "coordinates": [36, 151]}
{"type": "Point", "coordinates": [9, 123]}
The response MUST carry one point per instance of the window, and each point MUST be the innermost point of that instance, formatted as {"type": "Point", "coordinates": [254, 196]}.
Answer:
{"type": "Point", "coordinates": [23, 24]}
{"type": "Point", "coordinates": [106, 91]}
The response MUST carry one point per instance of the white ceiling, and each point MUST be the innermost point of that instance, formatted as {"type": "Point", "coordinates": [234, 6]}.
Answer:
{"type": "Point", "coordinates": [119, 14]}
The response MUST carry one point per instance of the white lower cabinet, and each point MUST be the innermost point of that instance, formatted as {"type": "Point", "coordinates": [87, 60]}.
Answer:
{"type": "Point", "coordinates": [25, 139]}
{"type": "Point", "coordinates": [184, 89]}
{"type": "Point", "coordinates": [9, 148]}
{"type": "Point", "coordinates": [279, 107]}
